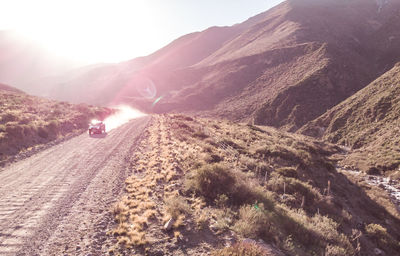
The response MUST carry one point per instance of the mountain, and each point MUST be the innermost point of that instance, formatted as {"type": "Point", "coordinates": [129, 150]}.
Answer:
{"type": "Point", "coordinates": [368, 122]}
{"type": "Point", "coordinates": [283, 67]}
{"type": "Point", "coordinates": [23, 62]}
{"type": "Point", "coordinates": [145, 77]}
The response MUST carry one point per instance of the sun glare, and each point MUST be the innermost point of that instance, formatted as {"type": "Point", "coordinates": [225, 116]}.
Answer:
{"type": "Point", "coordinates": [80, 30]}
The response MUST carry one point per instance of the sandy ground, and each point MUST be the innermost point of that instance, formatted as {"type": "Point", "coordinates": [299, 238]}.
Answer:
{"type": "Point", "coordinates": [58, 201]}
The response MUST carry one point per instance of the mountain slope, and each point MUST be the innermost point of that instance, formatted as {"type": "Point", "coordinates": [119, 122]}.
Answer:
{"type": "Point", "coordinates": [258, 189]}
{"type": "Point", "coordinates": [283, 67]}
{"type": "Point", "coordinates": [5, 87]}
{"type": "Point", "coordinates": [369, 122]}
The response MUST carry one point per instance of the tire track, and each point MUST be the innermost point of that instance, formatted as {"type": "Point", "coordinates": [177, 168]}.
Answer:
{"type": "Point", "coordinates": [44, 196]}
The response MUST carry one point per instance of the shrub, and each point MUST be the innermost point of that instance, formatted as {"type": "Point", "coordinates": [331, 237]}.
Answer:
{"type": "Point", "coordinates": [242, 249]}
{"type": "Point", "coordinates": [381, 237]}
{"type": "Point", "coordinates": [293, 186]}
{"type": "Point", "coordinates": [9, 116]}
{"type": "Point", "coordinates": [16, 131]}
{"type": "Point", "coordinates": [250, 163]}
{"type": "Point", "coordinates": [333, 250]}
{"type": "Point", "coordinates": [200, 135]}
{"type": "Point", "coordinates": [213, 180]}
{"type": "Point", "coordinates": [182, 117]}
{"type": "Point", "coordinates": [176, 205]}
{"type": "Point", "coordinates": [213, 158]}
{"type": "Point", "coordinates": [224, 218]}
{"type": "Point", "coordinates": [252, 222]}
{"type": "Point", "coordinates": [42, 132]}
{"type": "Point", "coordinates": [287, 172]}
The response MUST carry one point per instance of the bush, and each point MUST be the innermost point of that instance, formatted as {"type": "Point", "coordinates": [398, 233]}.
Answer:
{"type": "Point", "coordinates": [213, 158]}
{"type": "Point", "coordinates": [382, 238]}
{"type": "Point", "coordinates": [333, 250]}
{"type": "Point", "coordinates": [200, 135]}
{"type": "Point", "coordinates": [42, 132]}
{"type": "Point", "coordinates": [213, 180]}
{"type": "Point", "coordinates": [287, 172]}
{"type": "Point", "coordinates": [293, 186]}
{"type": "Point", "coordinates": [242, 249]}
{"type": "Point", "coordinates": [176, 205]}
{"type": "Point", "coordinates": [9, 117]}
{"type": "Point", "coordinates": [253, 222]}
{"type": "Point", "coordinates": [15, 131]}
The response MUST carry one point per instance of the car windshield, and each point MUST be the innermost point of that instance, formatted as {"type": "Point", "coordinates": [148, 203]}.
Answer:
{"type": "Point", "coordinates": [96, 124]}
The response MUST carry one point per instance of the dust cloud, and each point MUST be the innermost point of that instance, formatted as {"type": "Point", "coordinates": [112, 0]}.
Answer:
{"type": "Point", "coordinates": [123, 115]}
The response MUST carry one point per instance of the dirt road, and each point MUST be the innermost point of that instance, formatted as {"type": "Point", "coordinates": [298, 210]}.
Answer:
{"type": "Point", "coordinates": [58, 201]}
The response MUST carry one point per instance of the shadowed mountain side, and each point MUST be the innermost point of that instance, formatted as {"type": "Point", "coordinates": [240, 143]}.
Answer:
{"type": "Point", "coordinates": [368, 122]}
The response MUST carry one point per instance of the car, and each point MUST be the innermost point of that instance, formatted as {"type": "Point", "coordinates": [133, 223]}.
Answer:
{"type": "Point", "coordinates": [97, 127]}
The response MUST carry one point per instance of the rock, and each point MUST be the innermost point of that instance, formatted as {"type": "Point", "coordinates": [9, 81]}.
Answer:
{"type": "Point", "coordinates": [378, 251]}
{"type": "Point", "coordinates": [213, 227]}
{"type": "Point", "coordinates": [169, 224]}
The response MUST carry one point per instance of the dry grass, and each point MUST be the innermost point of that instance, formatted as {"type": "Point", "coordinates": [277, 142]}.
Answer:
{"type": "Point", "coordinates": [256, 181]}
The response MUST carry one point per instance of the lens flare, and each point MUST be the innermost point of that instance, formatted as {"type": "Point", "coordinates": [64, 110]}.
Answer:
{"type": "Point", "coordinates": [123, 115]}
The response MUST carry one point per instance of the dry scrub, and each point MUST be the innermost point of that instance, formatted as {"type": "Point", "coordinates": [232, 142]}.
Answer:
{"type": "Point", "coordinates": [219, 182]}
{"type": "Point", "coordinates": [27, 122]}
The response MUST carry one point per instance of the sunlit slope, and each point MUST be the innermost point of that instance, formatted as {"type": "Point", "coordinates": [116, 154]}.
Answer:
{"type": "Point", "coordinates": [369, 122]}
{"type": "Point", "coordinates": [283, 67]}
{"type": "Point", "coordinates": [27, 121]}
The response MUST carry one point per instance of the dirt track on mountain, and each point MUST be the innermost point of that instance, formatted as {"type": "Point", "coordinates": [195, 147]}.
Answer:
{"type": "Point", "coordinates": [58, 201]}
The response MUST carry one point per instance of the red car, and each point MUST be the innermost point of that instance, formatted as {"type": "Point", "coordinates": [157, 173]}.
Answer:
{"type": "Point", "coordinates": [97, 127]}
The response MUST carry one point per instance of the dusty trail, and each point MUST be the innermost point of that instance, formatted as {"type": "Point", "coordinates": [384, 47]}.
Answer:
{"type": "Point", "coordinates": [57, 202]}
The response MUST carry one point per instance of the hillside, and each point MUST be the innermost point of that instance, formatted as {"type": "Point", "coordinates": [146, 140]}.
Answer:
{"type": "Point", "coordinates": [368, 122]}
{"type": "Point", "coordinates": [27, 122]}
{"type": "Point", "coordinates": [4, 87]}
{"type": "Point", "coordinates": [199, 186]}
{"type": "Point", "coordinates": [283, 67]}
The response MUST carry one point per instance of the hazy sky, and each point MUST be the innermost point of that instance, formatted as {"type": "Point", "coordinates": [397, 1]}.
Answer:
{"type": "Point", "coordinates": [115, 30]}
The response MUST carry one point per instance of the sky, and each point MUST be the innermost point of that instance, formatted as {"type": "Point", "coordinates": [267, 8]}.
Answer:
{"type": "Point", "coordinates": [93, 31]}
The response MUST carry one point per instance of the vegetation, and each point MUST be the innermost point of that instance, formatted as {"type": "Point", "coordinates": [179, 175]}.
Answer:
{"type": "Point", "coordinates": [244, 182]}
{"type": "Point", "coordinates": [27, 122]}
